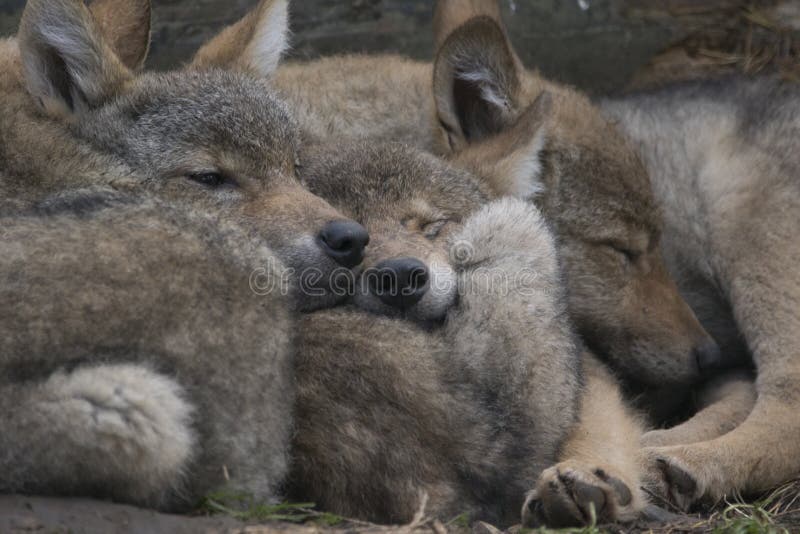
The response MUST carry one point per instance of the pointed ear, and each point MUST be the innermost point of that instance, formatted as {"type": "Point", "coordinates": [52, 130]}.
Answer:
{"type": "Point", "coordinates": [476, 82]}
{"type": "Point", "coordinates": [126, 27]}
{"type": "Point", "coordinates": [450, 14]}
{"type": "Point", "coordinates": [510, 162]}
{"type": "Point", "coordinates": [255, 43]}
{"type": "Point", "coordinates": [67, 64]}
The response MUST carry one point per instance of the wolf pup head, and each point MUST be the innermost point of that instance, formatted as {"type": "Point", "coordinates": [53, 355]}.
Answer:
{"type": "Point", "coordinates": [411, 202]}
{"type": "Point", "coordinates": [587, 181]}
{"type": "Point", "coordinates": [212, 137]}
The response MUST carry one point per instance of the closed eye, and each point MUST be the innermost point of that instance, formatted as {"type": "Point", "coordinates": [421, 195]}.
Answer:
{"type": "Point", "coordinates": [630, 255]}
{"type": "Point", "coordinates": [433, 229]}
{"type": "Point", "coordinates": [211, 179]}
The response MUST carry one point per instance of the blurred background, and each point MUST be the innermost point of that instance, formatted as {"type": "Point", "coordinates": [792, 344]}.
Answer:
{"type": "Point", "coordinates": [600, 46]}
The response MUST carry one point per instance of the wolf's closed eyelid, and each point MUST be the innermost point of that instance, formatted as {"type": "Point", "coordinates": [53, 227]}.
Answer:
{"type": "Point", "coordinates": [211, 179]}
{"type": "Point", "coordinates": [433, 229]}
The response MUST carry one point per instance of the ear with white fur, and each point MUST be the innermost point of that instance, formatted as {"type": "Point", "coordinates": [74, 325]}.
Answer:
{"type": "Point", "coordinates": [68, 65]}
{"type": "Point", "coordinates": [255, 43]}
{"type": "Point", "coordinates": [126, 26]}
{"type": "Point", "coordinates": [476, 83]}
{"type": "Point", "coordinates": [510, 163]}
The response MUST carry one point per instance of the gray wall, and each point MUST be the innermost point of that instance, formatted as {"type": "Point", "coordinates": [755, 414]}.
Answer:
{"type": "Point", "coordinates": [594, 44]}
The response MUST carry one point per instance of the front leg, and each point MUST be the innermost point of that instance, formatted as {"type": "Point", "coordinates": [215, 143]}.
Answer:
{"type": "Point", "coordinates": [599, 475]}
{"type": "Point", "coordinates": [724, 404]}
{"type": "Point", "coordinates": [758, 267]}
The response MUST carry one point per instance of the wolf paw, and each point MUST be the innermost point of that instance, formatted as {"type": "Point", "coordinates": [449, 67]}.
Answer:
{"type": "Point", "coordinates": [570, 494]}
{"type": "Point", "coordinates": [672, 480]}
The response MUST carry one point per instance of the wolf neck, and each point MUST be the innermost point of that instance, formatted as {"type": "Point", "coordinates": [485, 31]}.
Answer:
{"type": "Point", "coordinates": [39, 155]}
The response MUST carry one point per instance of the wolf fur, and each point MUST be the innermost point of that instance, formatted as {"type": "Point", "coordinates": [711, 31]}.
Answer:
{"type": "Point", "coordinates": [391, 414]}
{"type": "Point", "coordinates": [416, 205]}
{"type": "Point", "coordinates": [450, 410]}
{"type": "Point", "coordinates": [485, 113]}
{"type": "Point", "coordinates": [137, 362]}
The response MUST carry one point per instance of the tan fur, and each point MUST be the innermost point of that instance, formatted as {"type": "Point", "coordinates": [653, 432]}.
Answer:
{"type": "Point", "coordinates": [136, 362]}
{"type": "Point", "coordinates": [724, 404]}
{"type": "Point", "coordinates": [390, 413]}
{"type": "Point", "coordinates": [365, 97]}
{"type": "Point", "coordinates": [600, 463]}
{"type": "Point", "coordinates": [240, 45]}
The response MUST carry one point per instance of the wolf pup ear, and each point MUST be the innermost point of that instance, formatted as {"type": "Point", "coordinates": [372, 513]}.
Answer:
{"type": "Point", "coordinates": [450, 14]}
{"type": "Point", "coordinates": [68, 65]}
{"type": "Point", "coordinates": [476, 81]}
{"type": "Point", "coordinates": [510, 163]}
{"type": "Point", "coordinates": [255, 43]}
{"type": "Point", "coordinates": [126, 26]}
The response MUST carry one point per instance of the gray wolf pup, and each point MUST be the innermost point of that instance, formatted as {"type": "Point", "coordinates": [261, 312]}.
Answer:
{"type": "Point", "coordinates": [73, 114]}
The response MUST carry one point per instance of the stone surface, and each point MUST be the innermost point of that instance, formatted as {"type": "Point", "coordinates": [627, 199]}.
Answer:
{"type": "Point", "coordinates": [594, 44]}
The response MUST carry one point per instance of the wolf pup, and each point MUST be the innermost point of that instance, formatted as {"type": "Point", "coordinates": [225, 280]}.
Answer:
{"type": "Point", "coordinates": [486, 109]}
{"type": "Point", "coordinates": [73, 114]}
{"type": "Point", "coordinates": [724, 164]}
{"type": "Point", "coordinates": [137, 363]}
{"type": "Point", "coordinates": [440, 409]}
{"type": "Point", "coordinates": [418, 211]}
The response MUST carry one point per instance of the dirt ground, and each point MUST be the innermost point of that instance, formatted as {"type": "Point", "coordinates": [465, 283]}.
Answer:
{"type": "Point", "coordinates": [777, 512]}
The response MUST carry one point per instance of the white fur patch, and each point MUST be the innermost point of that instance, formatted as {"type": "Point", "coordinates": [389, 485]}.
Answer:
{"type": "Point", "coordinates": [525, 169]}
{"type": "Point", "coordinates": [271, 39]}
{"type": "Point", "coordinates": [130, 414]}
{"type": "Point", "coordinates": [441, 294]}
{"type": "Point", "coordinates": [484, 78]}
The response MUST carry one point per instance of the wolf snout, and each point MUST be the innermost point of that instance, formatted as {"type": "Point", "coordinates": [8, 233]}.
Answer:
{"type": "Point", "coordinates": [400, 282]}
{"type": "Point", "coordinates": [344, 242]}
{"type": "Point", "coordinates": [708, 357]}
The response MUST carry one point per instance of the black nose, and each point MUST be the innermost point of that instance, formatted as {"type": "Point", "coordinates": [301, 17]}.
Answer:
{"type": "Point", "coordinates": [708, 357]}
{"type": "Point", "coordinates": [400, 282]}
{"type": "Point", "coordinates": [344, 241]}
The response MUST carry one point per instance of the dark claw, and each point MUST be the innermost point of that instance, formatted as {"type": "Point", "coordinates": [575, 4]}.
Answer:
{"type": "Point", "coordinates": [623, 491]}
{"type": "Point", "coordinates": [678, 478]}
{"type": "Point", "coordinates": [586, 495]}
{"type": "Point", "coordinates": [562, 514]}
